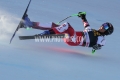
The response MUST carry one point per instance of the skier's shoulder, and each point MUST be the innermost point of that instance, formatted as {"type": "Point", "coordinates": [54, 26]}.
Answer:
{"type": "Point", "coordinates": [89, 29]}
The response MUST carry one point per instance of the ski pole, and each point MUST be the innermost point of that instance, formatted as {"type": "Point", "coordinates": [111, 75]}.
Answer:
{"type": "Point", "coordinates": [66, 18]}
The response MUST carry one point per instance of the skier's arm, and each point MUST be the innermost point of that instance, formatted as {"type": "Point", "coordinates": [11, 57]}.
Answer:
{"type": "Point", "coordinates": [82, 15]}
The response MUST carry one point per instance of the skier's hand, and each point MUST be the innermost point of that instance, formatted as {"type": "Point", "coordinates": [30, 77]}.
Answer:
{"type": "Point", "coordinates": [82, 14]}
{"type": "Point", "coordinates": [97, 47]}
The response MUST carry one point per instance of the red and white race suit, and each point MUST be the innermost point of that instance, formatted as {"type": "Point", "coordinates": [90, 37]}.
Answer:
{"type": "Point", "coordinates": [86, 38]}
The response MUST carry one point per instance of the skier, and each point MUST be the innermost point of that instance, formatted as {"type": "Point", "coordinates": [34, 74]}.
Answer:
{"type": "Point", "coordinates": [87, 38]}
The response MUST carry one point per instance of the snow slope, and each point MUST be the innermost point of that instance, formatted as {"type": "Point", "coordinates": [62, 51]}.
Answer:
{"type": "Point", "coordinates": [30, 60]}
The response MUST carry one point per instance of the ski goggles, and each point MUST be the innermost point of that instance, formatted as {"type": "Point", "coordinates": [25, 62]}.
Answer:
{"type": "Point", "coordinates": [105, 26]}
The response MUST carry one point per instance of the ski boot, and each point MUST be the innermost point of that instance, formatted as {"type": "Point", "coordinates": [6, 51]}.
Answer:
{"type": "Point", "coordinates": [47, 32]}
{"type": "Point", "coordinates": [26, 23]}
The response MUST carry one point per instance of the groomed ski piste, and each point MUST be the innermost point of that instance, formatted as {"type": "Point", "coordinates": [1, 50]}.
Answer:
{"type": "Point", "coordinates": [30, 60]}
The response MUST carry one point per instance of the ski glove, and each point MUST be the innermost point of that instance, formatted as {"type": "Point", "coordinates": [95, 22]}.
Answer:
{"type": "Point", "coordinates": [82, 14]}
{"type": "Point", "coordinates": [97, 47]}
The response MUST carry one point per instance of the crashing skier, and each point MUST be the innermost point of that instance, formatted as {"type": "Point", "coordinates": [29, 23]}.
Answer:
{"type": "Point", "coordinates": [87, 38]}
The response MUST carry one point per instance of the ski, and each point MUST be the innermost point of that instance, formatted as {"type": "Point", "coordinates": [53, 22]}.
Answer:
{"type": "Point", "coordinates": [20, 22]}
{"type": "Point", "coordinates": [42, 36]}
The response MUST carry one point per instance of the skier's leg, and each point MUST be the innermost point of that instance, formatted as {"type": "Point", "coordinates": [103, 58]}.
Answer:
{"type": "Point", "coordinates": [47, 32]}
{"type": "Point", "coordinates": [71, 34]}
{"type": "Point", "coordinates": [42, 26]}
{"type": "Point", "coordinates": [64, 28]}
{"type": "Point", "coordinates": [37, 25]}
{"type": "Point", "coordinates": [73, 38]}
{"type": "Point", "coordinates": [27, 22]}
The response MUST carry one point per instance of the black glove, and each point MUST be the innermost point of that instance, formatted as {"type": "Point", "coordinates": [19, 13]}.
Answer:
{"type": "Point", "coordinates": [97, 47]}
{"type": "Point", "coordinates": [82, 14]}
